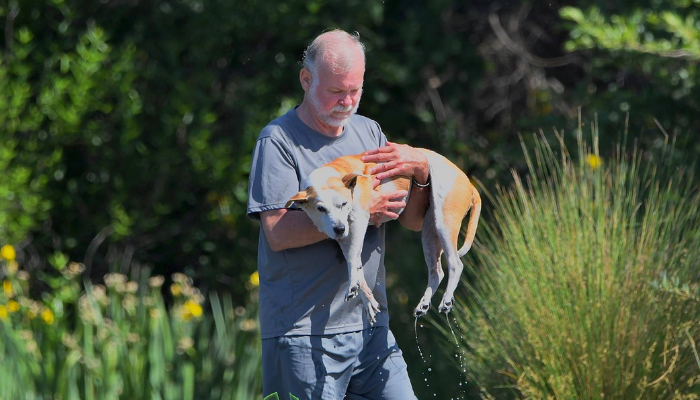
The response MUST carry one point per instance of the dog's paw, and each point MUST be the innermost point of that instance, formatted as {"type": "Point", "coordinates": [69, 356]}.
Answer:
{"type": "Point", "coordinates": [422, 309]}
{"type": "Point", "coordinates": [446, 306]}
{"type": "Point", "coordinates": [353, 291]}
{"type": "Point", "coordinates": [371, 311]}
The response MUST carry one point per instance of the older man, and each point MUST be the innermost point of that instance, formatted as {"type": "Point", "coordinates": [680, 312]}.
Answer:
{"type": "Point", "coordinates": [316, 345]}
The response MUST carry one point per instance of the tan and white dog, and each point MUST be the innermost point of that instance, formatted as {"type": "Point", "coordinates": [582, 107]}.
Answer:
{"type": "Point", "coordinates": [336, 197]}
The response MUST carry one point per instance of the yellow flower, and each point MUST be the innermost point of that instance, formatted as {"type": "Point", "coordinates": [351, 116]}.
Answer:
{"type": "Point", "coordinates": [594, 161]}
{"type": "Point", "coordinates": [8, 252]}
{"type": "Point", "coordinates": [47, 316]}
{"type": "Point", "coordinates": [13, 306]}
{"type": "Point", "coordinates": [12, 267]}
{"type": "Point", "coordinates": [255, 279]}
{"type": "Point", "coordinates": [191, 309]}
{"type": "Point", "coordinates": [7, 288]}
{"type": "Point", "coordinates": [3, 312]}
{"type": "Point", "coordinates": [175, 289]}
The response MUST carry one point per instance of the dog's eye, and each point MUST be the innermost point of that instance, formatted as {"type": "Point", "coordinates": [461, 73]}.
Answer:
{"type": "Point", "coordinates": [322, 209]}
{"type": "Point", "coordinates": [345, 203]}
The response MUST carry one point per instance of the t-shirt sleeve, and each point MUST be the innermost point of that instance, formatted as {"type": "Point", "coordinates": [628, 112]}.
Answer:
{"type": "Point", "coordinates": [273, 177]}
{"type": "Point", "coordinates": [378, 132]}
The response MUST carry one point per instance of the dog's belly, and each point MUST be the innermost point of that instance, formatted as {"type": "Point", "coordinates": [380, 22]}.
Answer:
{"type": "Point", "coordinates": [394, 184]}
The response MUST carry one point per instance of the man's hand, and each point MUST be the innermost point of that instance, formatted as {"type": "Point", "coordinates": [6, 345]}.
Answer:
{"type": "Point", "coordinates": [401, 159]}
{"type": "Point", "coordinates": [383, 205]}
{"type": "Point", "coordinates": [397, 159]}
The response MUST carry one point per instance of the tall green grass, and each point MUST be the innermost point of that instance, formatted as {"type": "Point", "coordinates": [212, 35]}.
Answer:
{"type": "Point", "coordinates": [121, 341]}
{"type": "Point", "coordinates": [586, 283]}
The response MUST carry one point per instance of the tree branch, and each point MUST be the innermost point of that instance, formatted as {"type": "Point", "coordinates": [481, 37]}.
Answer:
{"type": "Point", "coordinates": [517, 48]}
{"type": "Point", "coordinates": [9, 30]}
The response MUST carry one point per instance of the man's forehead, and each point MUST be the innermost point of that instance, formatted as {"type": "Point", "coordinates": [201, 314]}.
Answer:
{"type": "Point", "coordinates": [355, 73]}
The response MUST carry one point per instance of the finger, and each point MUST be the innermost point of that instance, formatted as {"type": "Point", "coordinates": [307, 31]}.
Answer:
{"type": "Point", "coordinates": [399, 194]}
{"type": "Point", "coordinates": [391, 215]}
{"type": "Point", "coordinates": [390, 173]}
{"type": "Point", "coordinates": [370, 155]}
{"type": "Point", "coordinates": [383, 167]}
{"type": "Point", "coordinates": [380, 157]}
{"type": "Point", "coordinates": [375, 183]}
{"type": "Point", "coordinates": [384, 149]}
{"type": "Point", "coordinates": [395, 197]}
{"type": "Point", "coordinates": [396, 205]}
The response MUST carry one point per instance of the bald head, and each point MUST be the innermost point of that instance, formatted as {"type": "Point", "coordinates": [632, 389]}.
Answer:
{"type": "Point", "coordinates": [336, 50]}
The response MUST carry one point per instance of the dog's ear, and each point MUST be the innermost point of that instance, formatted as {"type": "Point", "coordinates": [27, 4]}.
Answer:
{"type": "Point", "coordinates": [350, 180]}
{"type": "Point", "coordinates": [300, 197]}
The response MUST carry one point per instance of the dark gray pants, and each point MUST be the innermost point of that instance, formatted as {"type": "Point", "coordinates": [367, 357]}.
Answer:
{"type": "Point", "coordinates": [365, 365]}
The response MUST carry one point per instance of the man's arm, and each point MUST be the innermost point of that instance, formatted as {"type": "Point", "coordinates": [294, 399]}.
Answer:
{"type": "Point", "coordinates": [400, 159]}
{"type": "Point", "coordinates": [287, 229]}
{"type": "Point", "coordinates": [412, 217]}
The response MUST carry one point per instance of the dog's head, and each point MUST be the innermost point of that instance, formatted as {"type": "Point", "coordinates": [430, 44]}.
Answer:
{"type": "Point", "coordinates": [327, 200]}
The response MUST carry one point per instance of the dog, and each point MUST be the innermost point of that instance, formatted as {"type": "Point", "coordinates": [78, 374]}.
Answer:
{"type": "Point", "coordinates": [336, 197]}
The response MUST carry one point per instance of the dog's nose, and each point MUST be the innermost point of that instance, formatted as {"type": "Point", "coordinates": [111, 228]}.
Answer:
{"type": "Point", "coordinates": [339, 229]}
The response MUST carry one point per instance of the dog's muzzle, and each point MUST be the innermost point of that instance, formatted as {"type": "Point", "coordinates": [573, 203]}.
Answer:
{"type": "Point", "coordinates": [339, 229]}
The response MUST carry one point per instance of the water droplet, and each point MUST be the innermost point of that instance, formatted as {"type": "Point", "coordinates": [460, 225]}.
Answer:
{"type": "Point", "coordinates": [430, 370]}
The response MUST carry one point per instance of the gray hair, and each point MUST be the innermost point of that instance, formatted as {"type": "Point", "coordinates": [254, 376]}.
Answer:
{"type": "Point", "coordinates": [320, 47]}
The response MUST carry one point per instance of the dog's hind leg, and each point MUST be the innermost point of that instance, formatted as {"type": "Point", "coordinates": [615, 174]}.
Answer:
{"type": "Point", "coordinates": [454, 264]}
{"type": "Point", "coordinates": [432, 250]}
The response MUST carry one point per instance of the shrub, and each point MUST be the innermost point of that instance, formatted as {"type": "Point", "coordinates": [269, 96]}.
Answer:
{"type": "Point", "coordinates": [120, 340]}
{"type": "Point", "coordinates": [587, 282]}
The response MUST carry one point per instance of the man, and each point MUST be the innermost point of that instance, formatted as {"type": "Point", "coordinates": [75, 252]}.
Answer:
{"type": "Point", "coordinates": [316, 345]}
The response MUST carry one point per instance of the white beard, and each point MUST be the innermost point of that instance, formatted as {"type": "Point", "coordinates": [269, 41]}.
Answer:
{"type": "Point", "coordinates": [327, 117]}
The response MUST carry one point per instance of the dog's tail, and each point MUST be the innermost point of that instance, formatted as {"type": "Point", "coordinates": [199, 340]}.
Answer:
{"type": "Point", "coordinates": [473, 222]}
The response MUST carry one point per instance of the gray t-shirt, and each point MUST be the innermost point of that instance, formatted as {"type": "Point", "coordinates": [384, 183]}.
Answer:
{"type": "Point", "coordinates": [302, 290]}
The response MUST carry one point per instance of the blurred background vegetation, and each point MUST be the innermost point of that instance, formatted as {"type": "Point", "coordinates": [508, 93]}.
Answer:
{"type": "Point", "coordinates": [126, 126]}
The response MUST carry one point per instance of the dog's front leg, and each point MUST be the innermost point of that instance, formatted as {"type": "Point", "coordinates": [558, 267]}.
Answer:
{"type": "Point", "coordinates": [352, 250]}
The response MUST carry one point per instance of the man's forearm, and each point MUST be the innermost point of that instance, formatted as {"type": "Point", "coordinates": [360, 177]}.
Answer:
{"type": "Point", "coordinates": [286, 229]}
{"type": "Point", "coordinates": [414, 213]}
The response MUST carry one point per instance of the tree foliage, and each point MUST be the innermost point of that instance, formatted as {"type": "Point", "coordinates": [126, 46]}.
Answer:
{"type": "Point", "coordinates": [126, 127]}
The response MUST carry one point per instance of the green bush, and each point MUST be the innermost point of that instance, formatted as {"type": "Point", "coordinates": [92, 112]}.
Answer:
{"type": "Point", "coordinates": [120, 340]}
{"type": "Point", "coordinates": [586, 285]}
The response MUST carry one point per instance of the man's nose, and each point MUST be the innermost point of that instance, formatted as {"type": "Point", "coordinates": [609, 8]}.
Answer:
{"type": "Point", "coordinates": [346, 100]}
{"type": "Point", "coordinates": [339, 229]}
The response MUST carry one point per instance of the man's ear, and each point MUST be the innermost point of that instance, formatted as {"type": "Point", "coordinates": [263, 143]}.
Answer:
{"type": "Point", "coordinates": [300, 197]}
{"type": "Point", "coordinates": [305, 79]}
{"type": "Point", "coordinates": [350, 180]}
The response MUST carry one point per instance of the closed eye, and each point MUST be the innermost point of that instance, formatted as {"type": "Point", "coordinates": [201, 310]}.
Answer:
{"type": "Point", "coordinates": [322, 209]}
{"type": "Point", "coordinates": [345, 203]}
